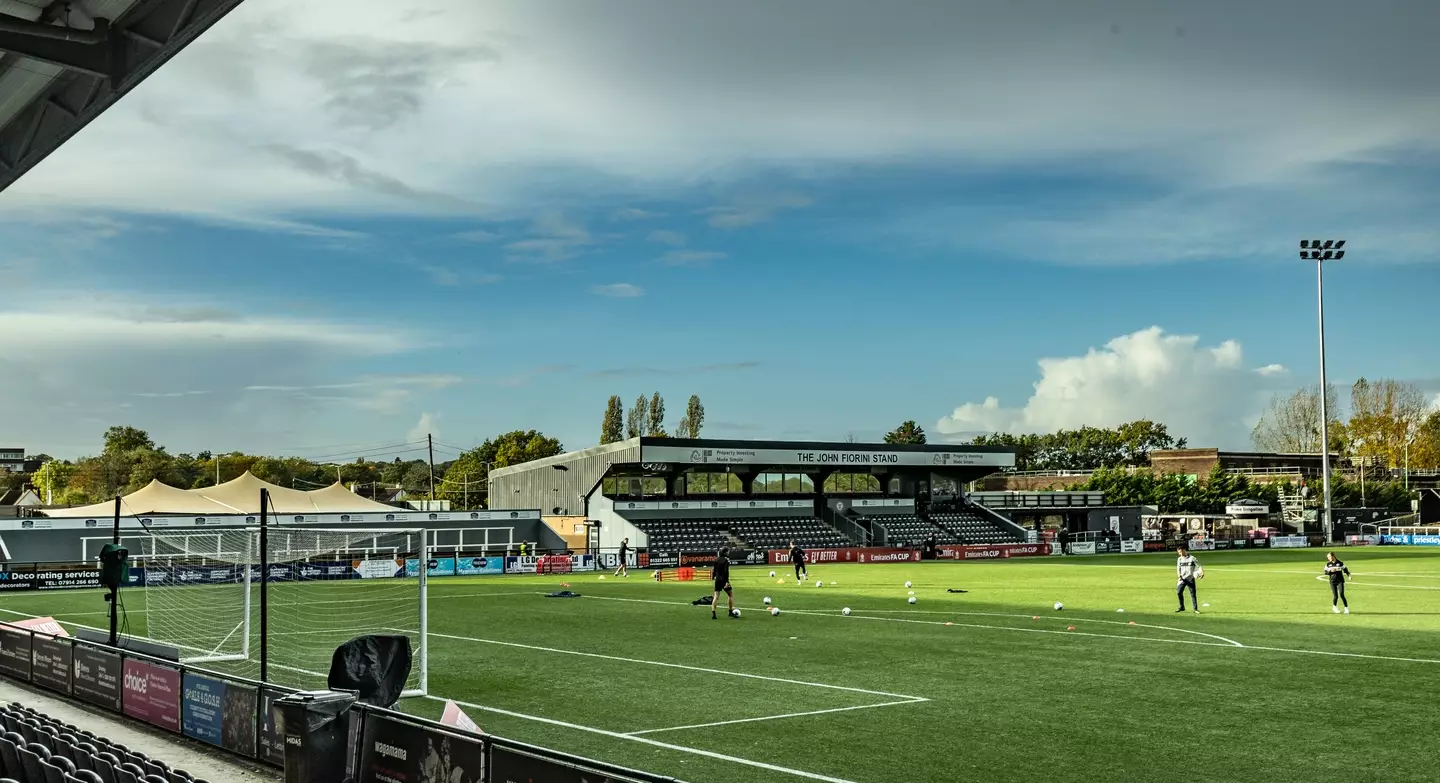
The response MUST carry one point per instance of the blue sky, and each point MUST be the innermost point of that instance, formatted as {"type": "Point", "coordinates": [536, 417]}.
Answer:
{"type": "Point", "coordinates": [467, 218]}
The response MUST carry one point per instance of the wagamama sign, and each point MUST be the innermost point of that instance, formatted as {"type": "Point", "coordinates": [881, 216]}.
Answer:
{"type": "Point", "coordinates": [858, 458]}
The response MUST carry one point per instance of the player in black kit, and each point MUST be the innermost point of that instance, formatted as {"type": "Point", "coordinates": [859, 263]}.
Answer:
{"type": "Point", "coordinates": [721, 573]}
{"type": "Point", "coordinates": [624, 569]}
{"type": "Point", "coordinates": [797, 558]}
{"type": "Point", "coordinates": [1336, 570]}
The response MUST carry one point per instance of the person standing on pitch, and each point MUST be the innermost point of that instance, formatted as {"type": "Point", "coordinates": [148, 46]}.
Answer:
{"type": "Point", "coordinates": [1336, 570]}
{"type": "Point", "coordinates": [624, 569]}
{"type": "Point", "coordinates": [1188, 569]}
{"type": "Point", "coordinates": [797, 558]}
{"type": "Point", "coordinates": [721, 573]}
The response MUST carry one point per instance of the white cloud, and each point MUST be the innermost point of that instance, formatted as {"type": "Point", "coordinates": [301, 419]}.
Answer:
{"type": "Point", "coordinates": [664, 237]}
{"type": "Point", "coordinates": [182, 371]}
{"type": "Point", "coordinates": [423, 428]}
{"type": "Point", "coordinates": [618, 290]}
{"type": "Point", "coordinates": [291, 115]}
{"type": "Point", "coordinates": [691, 257]}
{"type": "Point", "coordinates": [1204, 393]}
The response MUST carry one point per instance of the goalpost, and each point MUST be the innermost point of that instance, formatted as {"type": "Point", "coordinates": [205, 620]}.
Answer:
{"type": "Point", "coordinates": [205, 595]}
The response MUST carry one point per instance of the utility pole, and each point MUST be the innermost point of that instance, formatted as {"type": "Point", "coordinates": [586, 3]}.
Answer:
{"type": "Point", "coordinates": [465, 477]}
{"type": "Point", "coordinates": [430, 443]}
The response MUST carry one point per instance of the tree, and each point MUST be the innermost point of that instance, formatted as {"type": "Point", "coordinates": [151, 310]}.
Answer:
{"type": "Point", "coordinates": [1140, 437]}
{"type": "Point", "coordinates": [635, 420]}
{"type": "Point", "coordinates": [472, 469]}
{"type": "Point", "coordinates": [908, 432]}
{"type": "Point", "coordinates": [52, 479]}
{"type": "Point", "coordinates": [1384, 414]}
{"type": "Point", "coordinates": [655, 424]}
{"type": "Point", "coordinates": [612, 428]}
{"type": "Point", "coordinates": [1291, 423]}
{"type": "Point", "coordinates": [689, 427]}
{"type": "Point", "coordinates": [119, 440]}
{"type": "Point", "coordinates": [1425, 447]}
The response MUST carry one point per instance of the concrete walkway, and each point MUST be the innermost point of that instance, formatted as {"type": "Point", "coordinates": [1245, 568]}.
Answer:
{"type": "Point", "coordinates": [200, 760]}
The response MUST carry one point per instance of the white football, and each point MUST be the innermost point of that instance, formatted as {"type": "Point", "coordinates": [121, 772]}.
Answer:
{"type": "Point", "coordinates": [845, 611]}
{"type": "Point", "coordinates": [767, 600]}
{"type": "Point", "coordinates": [819, 583]}
{"type": "Point", "coordinates": [774, 611]}
{"type": "Point", "coordinates": [1059, 606]}
{"type": "Point", "coordinates": [772, 574]}
{"type": "Point", "coordinates": [908, 585]}
{"type": "Point", "coordinates": [912, 599]}
{"type": "Point", "coordinates": [734, 612]}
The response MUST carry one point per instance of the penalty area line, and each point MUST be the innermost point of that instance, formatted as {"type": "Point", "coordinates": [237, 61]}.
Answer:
{"type": "Point", "coordinates": [667, 665]}
{"type": "Point", "coordinates": [654, 743]}
{"type": "Point", "coordinates": [1190, 642]}
{"type": "Point", "coordinates": [777, 717]}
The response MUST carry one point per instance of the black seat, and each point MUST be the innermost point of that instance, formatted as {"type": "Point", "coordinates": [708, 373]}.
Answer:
{"type": "Point", "coordinates": [30, 757]}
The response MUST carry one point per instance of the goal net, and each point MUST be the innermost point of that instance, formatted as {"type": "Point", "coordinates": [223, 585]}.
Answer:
{"type": "Point", "coordinates": [203, 595]}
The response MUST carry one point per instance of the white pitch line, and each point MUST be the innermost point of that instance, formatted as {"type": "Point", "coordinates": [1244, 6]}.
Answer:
{"type": "Point", "coordinates": [1228, 643]}
{"type": "Point", "coordinates": [1023, 616]}
{"type": "Point", "coordinates": [680, 666]}
{"type": "Point", "coordinates": [1192, 642]}
{"type": "Point", "coordinates": [654, 743]}
{"type": "Point", "coordinates": [777, 717]}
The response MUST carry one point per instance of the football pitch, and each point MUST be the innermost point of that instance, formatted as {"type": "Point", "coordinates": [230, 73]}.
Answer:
{"type": "Point", "coordinates": [988, 684]}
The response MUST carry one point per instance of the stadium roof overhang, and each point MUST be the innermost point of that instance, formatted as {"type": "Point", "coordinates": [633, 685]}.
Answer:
{"type": "Point", "coordinates": [64, 62]}
{"type": "Point", "coordinates": [673, 455]}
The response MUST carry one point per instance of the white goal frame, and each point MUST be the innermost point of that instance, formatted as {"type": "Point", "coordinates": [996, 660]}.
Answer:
{"type": "Point", "coordinates": [256, 560]}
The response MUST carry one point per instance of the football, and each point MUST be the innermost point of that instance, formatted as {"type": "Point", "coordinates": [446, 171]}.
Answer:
{"type": "Point", "coordinates": [774, 611]}
{"type": "Point", "coordinates": [734, 612]}
{"type": "Point", "coordinates": [912, 599]}
{"type": "Point", "coordinates": [908, 585]}
{"type": "Point", "coordinates": [767, 600]}
{"type": "Point", "coordinates": [819, 583]}
{"type": "Point", "coordinates": [772, 574]}
{"type": "Point", "coordinates": [845, 611]}
{"type": "Point", "coordinates": [1059, 606]}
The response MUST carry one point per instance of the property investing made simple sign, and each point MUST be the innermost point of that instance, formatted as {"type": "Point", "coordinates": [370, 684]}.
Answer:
{"type": "Point", "coordinates": [857, 458]}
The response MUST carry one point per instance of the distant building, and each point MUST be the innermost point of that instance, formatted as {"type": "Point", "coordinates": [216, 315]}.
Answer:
{"type": "Point", "coordinates": [12, 460]}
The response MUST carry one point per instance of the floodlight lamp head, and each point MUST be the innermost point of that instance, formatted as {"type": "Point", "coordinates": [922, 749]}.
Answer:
{"type": "Point", "coordinates": [1304, 255]}
{"type": "Point", "coordinates": [1329, 254]}
{"type": "Point", "coordinates": [1339, 243]}
{"type": "Point", "coordinates": [1314, 244]}
{"type": "Point", "coordinates": [1329, 243]}
{"type": "Point", "coordinates": [1304, 244]}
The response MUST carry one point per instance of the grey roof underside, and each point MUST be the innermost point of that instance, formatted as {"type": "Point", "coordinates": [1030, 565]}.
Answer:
{"type": "Point", "coordinates": [50, 87]}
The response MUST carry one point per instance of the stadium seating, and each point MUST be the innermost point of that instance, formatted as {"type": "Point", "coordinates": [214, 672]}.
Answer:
{"type": "Point", "coordinates": [971, 528]}
{"type": "Point", "coordinates": [910, 529]}
{"type": "Point", "coordinates": [703, 535]}
{"type": "Point", "coordinates": [37, 749]}
{"type": "Point", "coordinates": [808, 532]}
{"type": "Point", "coordinates": [683, 535]}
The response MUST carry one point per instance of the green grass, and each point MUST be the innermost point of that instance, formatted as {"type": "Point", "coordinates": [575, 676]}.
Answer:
{"type": "Point", "coordinates": [1010, 693]}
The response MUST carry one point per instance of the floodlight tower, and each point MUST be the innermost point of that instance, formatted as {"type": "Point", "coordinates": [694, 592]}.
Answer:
{"type": "Point", "coordinates": [1320, 252]}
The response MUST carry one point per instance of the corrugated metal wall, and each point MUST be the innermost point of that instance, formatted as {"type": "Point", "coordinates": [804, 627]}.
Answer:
{"type": "Point", "coordinates": [559, 482]}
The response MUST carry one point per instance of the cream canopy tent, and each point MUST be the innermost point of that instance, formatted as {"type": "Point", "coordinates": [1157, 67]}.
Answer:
{"type": "Point", "coordinates": [239, 496]}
